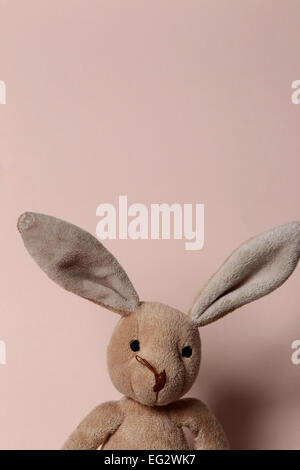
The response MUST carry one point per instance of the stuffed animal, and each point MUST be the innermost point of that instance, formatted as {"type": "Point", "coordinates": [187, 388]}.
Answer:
{"type": "Point", "coordinates": [154, 353]}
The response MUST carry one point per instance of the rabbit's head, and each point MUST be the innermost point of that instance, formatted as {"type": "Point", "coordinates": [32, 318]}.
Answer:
{"type": "Point", "coordinates": [155, 351]}
{"type": "Point", "coordinates": [154, 354]}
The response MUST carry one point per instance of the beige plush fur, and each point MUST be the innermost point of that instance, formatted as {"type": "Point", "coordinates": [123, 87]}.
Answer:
{"type": "Point", "coordinates": [77, 261]}
{"type": "Point", "coordinates": [255, 269]}
{"type": "Point", "coordinates": [155, 351]}
{"type": "Point", "coordinates": [162, 332]}
{"type": "Point", "coordinates": [129, 425]}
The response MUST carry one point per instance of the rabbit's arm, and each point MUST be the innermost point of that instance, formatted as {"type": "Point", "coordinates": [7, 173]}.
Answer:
{"type": "Point", "coordinates": [196, 416]}
{"type": "Point", "coordinates": [94, 430]}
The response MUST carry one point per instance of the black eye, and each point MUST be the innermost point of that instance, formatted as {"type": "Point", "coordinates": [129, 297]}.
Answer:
{"type": "Point", "coordinates": [135, 345]}
{"type": "Point", "coordinates": [187, 351]}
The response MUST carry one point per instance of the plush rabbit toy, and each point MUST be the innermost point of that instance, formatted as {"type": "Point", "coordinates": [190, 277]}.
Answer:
{"type": "Point", "coordinates": [154, 353]}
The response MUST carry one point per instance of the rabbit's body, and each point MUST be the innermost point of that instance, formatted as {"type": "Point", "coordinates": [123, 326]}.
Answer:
{"type": "Point", "coordinates": [155, 350]}
{"type": "Point", "coordinates": [127, 424]}
{"type": "Point", "coordinates": [145, 427]}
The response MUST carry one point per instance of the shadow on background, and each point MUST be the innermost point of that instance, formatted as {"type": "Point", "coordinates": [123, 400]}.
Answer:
{"type": "Point", "coordinates": [248, 410]}
{"type": "Point", "coordinates": [238, 409]}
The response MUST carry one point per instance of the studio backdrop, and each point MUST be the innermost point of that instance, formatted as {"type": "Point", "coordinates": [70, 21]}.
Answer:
{"type": "Point", "coordinates": [108, 110]}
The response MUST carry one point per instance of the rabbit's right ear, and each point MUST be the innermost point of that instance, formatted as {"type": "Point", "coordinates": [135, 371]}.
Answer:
{"type": "Point", "coordinates": [77, 261]}
{"type": "Point", "coordinates": [255, 269]}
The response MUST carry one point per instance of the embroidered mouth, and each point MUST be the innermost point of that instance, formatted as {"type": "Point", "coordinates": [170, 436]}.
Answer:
{"type": "Point", "coordinates": [160, 378]}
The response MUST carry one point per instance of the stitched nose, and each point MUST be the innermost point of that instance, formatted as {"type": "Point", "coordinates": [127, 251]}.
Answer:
{"type": "Point", "coordinates": [160, 381]}
{"type": "Point", "coordinates": [160, 378]}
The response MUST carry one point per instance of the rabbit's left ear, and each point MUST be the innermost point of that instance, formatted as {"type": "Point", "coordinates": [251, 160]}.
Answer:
{"type": "Point", "coordinates": [77, 261]}
{"type": "Point", "coordinates": [255, 269]}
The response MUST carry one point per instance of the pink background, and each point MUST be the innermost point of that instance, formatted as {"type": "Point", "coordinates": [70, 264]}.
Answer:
{"type": "Point", "coordinates": [164, 101]}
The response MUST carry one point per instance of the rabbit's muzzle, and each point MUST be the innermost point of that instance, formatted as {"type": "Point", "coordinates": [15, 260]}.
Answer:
{"type": "Point", "coordinates": [160, 378]}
